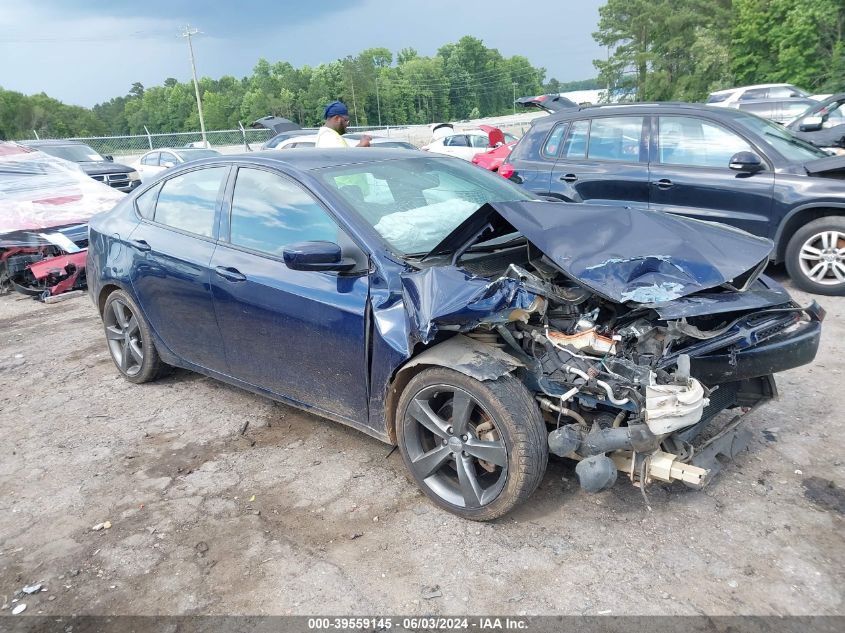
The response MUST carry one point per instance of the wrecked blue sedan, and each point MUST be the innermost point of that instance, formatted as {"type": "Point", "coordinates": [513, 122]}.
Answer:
{"type": "Point", "coordinates": [440, 308]}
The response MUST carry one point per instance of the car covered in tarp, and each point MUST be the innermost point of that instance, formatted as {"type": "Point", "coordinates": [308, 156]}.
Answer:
{"type": "Point", "coordinates": [45, 204]}
{"type": "Point", "coordinates": [475, 327]}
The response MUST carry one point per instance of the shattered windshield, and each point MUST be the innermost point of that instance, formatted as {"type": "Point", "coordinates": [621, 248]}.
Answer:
{"type": "Point", "coordinates": [414, 203]}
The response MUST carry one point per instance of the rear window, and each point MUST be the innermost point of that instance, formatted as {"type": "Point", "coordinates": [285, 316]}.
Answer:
{"type": "Point", "coordinates": [552, 145]}
{"type": "Point", "coordinates": [188, 202]}
{"type": "Point", "coordinates": [718, 98]}
{"type": "Point", "coordinates": [616, 138]}
{"type": "Point", "coordinates": [754, 93]}
{"type": "Point", "coordinates": [576, 143]}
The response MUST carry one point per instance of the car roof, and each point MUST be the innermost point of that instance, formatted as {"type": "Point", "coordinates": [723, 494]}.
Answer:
{"type": "Point", "coordinates": [308, 158]}
{"type": "Point", "coordinates": [49, 142]}
{"type": "Point", "coordinates": [665, 107]}
{"type": "Point", "coordinates": [751, 87]}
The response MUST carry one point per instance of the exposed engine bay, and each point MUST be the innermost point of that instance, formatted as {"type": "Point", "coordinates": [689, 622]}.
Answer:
{"type": "Point", "coordinates": [628, 373]}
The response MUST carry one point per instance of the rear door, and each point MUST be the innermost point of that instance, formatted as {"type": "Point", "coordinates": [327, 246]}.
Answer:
{"type": "Point", "coordinates": [459, 145]}
{"type": "Point", "coordinates": [536, 156]}
{"type": "Point", "coordinates": [604, 161]}
{"type": "Point", "coordinates": [300, 334]}
{"type": "Point", "coordinates": [148, 166]}
{"type": "Point", "coordinates": [690, 174]}
{"type": "Point", "coordinates": [171, 250]}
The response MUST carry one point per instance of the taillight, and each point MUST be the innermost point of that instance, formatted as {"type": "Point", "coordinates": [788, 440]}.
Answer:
{"type": "Point", "coordinates": [506, 170]}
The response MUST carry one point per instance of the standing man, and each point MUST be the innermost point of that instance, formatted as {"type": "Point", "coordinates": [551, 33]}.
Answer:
{"type": "Point", "coordinates": [337, 120]}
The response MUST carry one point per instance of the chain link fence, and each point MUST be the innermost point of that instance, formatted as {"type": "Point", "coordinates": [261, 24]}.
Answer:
{"type": "Point", "coordinates": [127, 148]}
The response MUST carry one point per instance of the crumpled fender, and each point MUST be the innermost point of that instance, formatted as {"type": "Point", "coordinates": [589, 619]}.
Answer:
{"type": "Point", "coordinates": [469, 357]}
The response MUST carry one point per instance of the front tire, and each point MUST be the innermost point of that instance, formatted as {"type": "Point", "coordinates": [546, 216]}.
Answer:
{"type": "Point", "coordinates": [815, 256]}
{"type": "Point", "coordinates": [129, 339]}
{"type": "Point", "coordinates": [477, 449]}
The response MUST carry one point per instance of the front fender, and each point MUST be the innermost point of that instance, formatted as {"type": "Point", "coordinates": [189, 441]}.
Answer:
{"type": "Point", "coordinates": [461, 353]}
{"type": "Point", "coordinates": [467, 356]}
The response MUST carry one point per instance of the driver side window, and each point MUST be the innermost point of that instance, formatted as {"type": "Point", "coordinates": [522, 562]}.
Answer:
{"type": "Point", "coordinates": [697, 143]}
{"type": "Point", "coordinates": [269, 212]}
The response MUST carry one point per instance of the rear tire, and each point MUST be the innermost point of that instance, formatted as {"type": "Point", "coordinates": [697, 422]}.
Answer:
{"type": "Point", "coordinates": [129, 339]}
{"type": "Point", "coordinates": [481, 447]}
{"type": "Point", "coordinates": [813, 257]}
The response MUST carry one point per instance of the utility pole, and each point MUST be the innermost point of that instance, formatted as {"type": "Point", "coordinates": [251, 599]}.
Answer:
{"type": "Point", "coordinates": [188, 32]}
{"type": "Point", "coordinates": [514, 98]}
{"type": "Point", "coordinates": [378, 104]}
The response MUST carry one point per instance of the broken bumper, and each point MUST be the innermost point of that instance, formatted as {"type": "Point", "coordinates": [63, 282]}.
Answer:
{"type": "Point", "coordinates": [786, 351]}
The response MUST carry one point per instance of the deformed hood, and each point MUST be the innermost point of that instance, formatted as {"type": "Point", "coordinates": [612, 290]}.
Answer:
{"type": "Point", "coordinates": [624, 254]}
{"type": "Point", "coordinates": [826, 166]}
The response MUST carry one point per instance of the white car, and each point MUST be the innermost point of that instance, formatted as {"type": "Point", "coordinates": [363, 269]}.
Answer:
{"type": "Point", "coordinates": [731, 97]}
{"type": "Point", "coordinates": [308, 140]}
{"type": "Point", "coordinates": [156, 161]}
{"type": "Point", "coordinates": [467, 143]}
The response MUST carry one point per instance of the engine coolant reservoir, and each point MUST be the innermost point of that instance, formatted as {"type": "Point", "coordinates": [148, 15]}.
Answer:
{"type": "Point", "coordinates": [672, 407]}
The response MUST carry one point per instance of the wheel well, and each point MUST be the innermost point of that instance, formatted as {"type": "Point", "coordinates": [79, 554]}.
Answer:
{"type": "Point", "coordinates": [797, 221]}
{"type": "Point", "coordinates": [403, 376]}
{"type": "Point", "coordinates": [105, 291]}
{"type": "Point", "coordinates": [460, 353]}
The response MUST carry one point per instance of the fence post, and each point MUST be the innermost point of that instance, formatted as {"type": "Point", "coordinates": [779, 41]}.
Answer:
{"type": "Point", "coordinates": [149, 138]}
{"type": "Point", "coordinates": [247, 148]}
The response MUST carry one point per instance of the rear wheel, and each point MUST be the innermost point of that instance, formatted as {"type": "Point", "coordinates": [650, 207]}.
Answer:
{"type": "Point", "coordinates": [129, 339]}
{"type": "Point", "coordinates": [815, 256]}
{"type": "Point", "coordinates": [475, 448]}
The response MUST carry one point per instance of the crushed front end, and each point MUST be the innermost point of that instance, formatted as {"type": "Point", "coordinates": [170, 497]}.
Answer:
{"type": "Point", "coordinates": [632, 363]}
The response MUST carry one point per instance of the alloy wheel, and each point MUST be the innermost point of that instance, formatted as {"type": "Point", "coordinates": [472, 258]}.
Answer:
{"type": "Point", "coordinates": [123, 334]}
{"type": "Point", "coordinates": [822, 258]}
{"type": "Point", "coordinates": [455, 447]}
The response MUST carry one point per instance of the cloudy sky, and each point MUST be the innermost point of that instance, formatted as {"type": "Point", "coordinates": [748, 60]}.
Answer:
{"type": "Point", "coordinates": [84, 52]}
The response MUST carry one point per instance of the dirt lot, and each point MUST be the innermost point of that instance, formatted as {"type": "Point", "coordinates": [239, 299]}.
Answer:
{"type": "Point", "coordinates": [300, 515]}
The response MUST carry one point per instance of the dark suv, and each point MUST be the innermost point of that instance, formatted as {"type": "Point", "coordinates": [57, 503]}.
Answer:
{"type": "Point", "coordinates": [704, 162]}
{"type": "Point", "coordinates": [102, 168]}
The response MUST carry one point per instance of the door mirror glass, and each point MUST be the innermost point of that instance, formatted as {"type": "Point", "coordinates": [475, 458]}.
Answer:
{"type": "Point", "coordinates": [811, 124]}
{"type": "Point", "coordinates": [746, 162]}
{"type": "Point", "coordinates": [316, 255]}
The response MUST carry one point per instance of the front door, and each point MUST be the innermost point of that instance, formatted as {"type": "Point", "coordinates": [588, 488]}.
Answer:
{"type": "Point", "coordinates": [690, 175]}
{"type": "Point", "coordinates": [299, 334]}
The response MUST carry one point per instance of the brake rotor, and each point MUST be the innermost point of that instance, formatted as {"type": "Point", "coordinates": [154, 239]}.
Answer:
{"type": "Point", "coordinates": [487, 431]}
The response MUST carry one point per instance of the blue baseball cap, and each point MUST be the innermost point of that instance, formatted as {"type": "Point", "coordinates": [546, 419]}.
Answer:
{"type": "Point", "coordinates": [335, 108]}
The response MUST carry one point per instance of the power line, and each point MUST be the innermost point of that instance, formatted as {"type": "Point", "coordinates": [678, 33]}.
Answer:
{"type": "Point", "coordinates": [136, 35]}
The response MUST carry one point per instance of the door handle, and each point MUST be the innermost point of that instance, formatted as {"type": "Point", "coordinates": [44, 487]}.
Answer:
{"type": "Point", "coordinates": [569, 178]}
{"type": "Point", "coordinates": [140, 245]}
{"type": "Point", "coordinates": [663, 183]}
{"type": "Point", "coordinates": [232, 274]}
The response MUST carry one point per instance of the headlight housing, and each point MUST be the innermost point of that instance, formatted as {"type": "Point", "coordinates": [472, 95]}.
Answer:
{"type": "Point", "coordinates": [134, 175]}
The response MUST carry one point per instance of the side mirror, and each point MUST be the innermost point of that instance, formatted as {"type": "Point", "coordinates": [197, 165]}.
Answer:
{"type": "Point", "coordinates": [109, 158]}
{"type": "Point", "coordinates": [811, 124]}
{"type": "Point", "coordinates": [746, 162]}
{"type": "Point", "coordinates": [168, 163]}
{"type": "Point", "coordinates": [317, 255]}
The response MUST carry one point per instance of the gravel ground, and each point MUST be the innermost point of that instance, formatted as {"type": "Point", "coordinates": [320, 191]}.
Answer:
{"type": "Point", "coordinates": [299, 515]}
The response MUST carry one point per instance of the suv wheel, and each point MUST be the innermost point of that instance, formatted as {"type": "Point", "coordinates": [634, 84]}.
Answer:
{"type": "Point", "coordinates": [815, 256]}
{"type": "Point", "coordinates": [477, 449]}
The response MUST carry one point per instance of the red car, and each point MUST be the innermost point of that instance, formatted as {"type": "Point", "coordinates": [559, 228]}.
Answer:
{"type": "Point", "coordinates": [492, 159]}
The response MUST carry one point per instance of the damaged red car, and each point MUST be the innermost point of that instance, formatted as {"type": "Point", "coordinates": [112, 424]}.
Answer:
{"type": "Point", "coordinates": [46, 203]}
{"type": "Point", "coordinates": [476, 328]}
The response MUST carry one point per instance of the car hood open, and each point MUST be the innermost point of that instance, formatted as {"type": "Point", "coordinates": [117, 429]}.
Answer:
{"type": "Point", "coordinates": [619, 253]}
